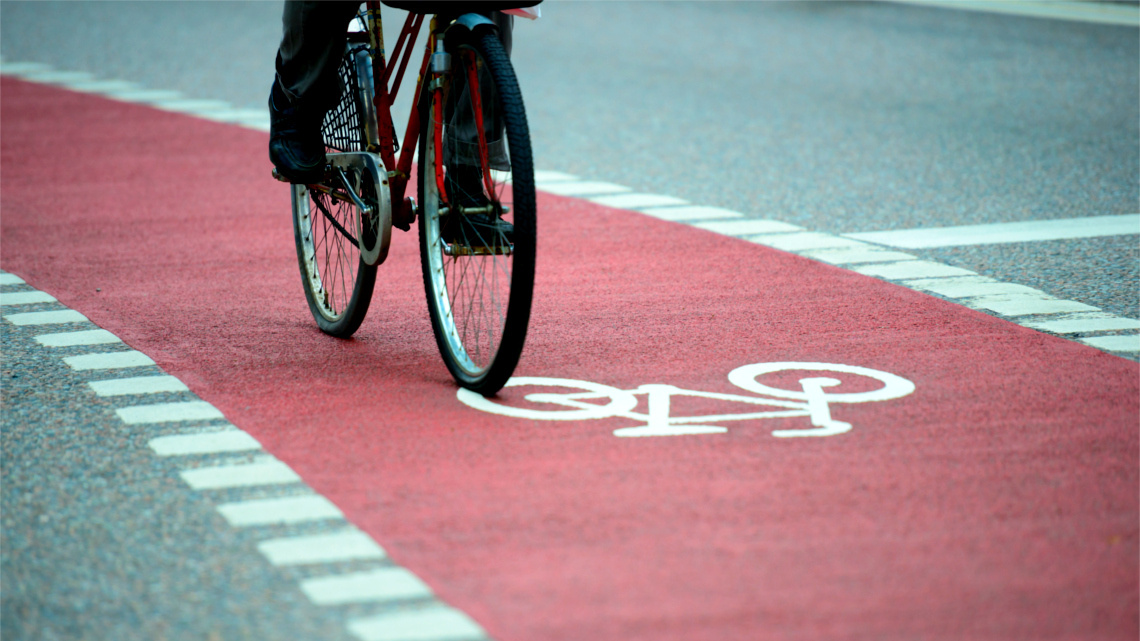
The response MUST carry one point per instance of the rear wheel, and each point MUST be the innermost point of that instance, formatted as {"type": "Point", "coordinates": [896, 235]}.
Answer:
{"type": "Point", "coordinates": [475, 169]}
{"type": "Point", "coordinates": [328, 223]}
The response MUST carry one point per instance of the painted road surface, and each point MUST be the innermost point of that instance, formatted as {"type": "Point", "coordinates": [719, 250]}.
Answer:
{"type": "Point", "coordinates": [992, 493]}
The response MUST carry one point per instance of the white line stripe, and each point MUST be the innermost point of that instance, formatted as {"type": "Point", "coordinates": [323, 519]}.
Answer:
{"type": "Point", "coordinates": [46, 318]}
{"type": "Point", "coordinates": [10, 279]}
{"type": "Point", "coordinates": [169, 413]}
{"type": "Point", "coordinates": [634, 201]}
{"type": "Point", "coordinates": [191, 105]}
{"type": "Point", "coordinates": [109, 360]}
{"type": "Point", "coordinates": [693, 212]}
{"type": "Point", "coordinates": [21, 68]}
{"type": "Point", "coordinates": [1081, 325]}
{"type": "Point", "coordinates": [911, 269]}
{"type": "Point", "coordinates": [746, 227]}
{"type": "Point", "coordinates": [380, 585]}
{"type": "Point", "coordinates": [271, 472]}
{"type": "Point", "coordinates": [1096, 12]}
{"type": "Point", "coordinates": [25, 298]}
{"type": "Point", "coordinates": [541, 176]}
{"type": "Point", "coordinates": [103, 86]}
{"type": "Point", "coordinates": [808, 240]}
{"type": "Point", "coordinates": [144, 95]}
{"type": "Point", "coordinates": [72, 339]}
{"type": "Point", "coordinates": [350, 545]}
{"type": "Point", "coordinates": [436, 623]}
{"type": "Point", "coordinates": [1129, 343]}
{"type": "Point", "coordinates": [1015, 305]}
{"type": "Point", "coordinates": [1020, 232]}
{"type": "Point", "coordinates": [970, 286]}
{"type": "Point", "coordinates": [205, 443]}
{"type": "Point", "coordinates": [137, 385]}
{"type": "Point", "coordinates": [56, 77]}
{"type": "Point", "coordinates": [292, 509]}
{"type": "Point", "coordinates": [582, 188]}
{"type": "Point", "coordinates": [857, 255]}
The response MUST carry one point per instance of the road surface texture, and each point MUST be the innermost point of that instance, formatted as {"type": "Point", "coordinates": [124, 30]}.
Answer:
{"type": "Point", "coordinates": [275, 483]}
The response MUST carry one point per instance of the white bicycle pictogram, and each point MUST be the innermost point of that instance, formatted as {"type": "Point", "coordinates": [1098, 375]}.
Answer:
{"type": "Point", "coordinates": [810, 401]}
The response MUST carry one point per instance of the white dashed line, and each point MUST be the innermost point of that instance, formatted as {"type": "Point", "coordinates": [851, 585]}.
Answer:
{"type": "Point", "coordinates": [999, 233]}
{"type": "Point", "coordinates": [1015, 305]}
{"type": "Point", "coordinates": [582, 188]}
{"type": "Point", "coordinates": [1129, 343]}
{"type": "Point", "coordinates": [73, 339]}
{"type": "Point", "coordinates": [636, 201]}
{"type": "Point", "coordinates": [1098, 12]}
{"type": "Point", "coordinates": [103, 86]}
{"type": "Point", "coordinates": [10, 279]}
{"type": "Point", "coordinates": [144, 95]}
{"type": "Point", "coordinates": [109, 360]}
{"type": "Point", "coordinates": [805, 241]}
{"type": "Point", "coordinates": [541, 176]}
{"type": "Point", "coordinates": [137, 385]}
{"type": "Point", "coordinates": [437, 623]}
{"type": "Point", "coordinates": [1082, 325]}
{"type": "Point", "coordinates": [857, 255]}
{"type": "Point", "coordinates": [350, 545]}
{"type": "Point", "coordinates": [203, 443]}
{"type": "Point", "coordinates": [292, 509]}
{"type": "Point", "coordinates": [169, 413]}
{"type": "Point", "coordinates": [746, 227]}
{"type": "Point", "coordinates": [688, 213]}
{"type": "Point", "coordinates": [46, 318]}
{"type": "Point", "coordinates": [911, 269]}
{"type": "Point", "coordinates": [271, 472]}
{"type": "Point", "coordinates": [375, 586]}
{"type": "Point", "coordinates": [25, 298]}
{"type": "Point", "coordinates": [969, 286]}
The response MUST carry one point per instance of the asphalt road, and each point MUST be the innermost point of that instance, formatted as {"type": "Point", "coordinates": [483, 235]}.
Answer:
{"type": "Point", "coordinates": [839, 117]}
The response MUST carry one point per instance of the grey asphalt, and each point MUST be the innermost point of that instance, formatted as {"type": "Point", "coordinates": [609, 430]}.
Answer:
{"type": "Point", "coordinates": [839, 117]}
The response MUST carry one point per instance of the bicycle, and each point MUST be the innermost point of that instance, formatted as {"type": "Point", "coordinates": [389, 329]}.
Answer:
{"type": "Point", "coordinates": [478, 278]}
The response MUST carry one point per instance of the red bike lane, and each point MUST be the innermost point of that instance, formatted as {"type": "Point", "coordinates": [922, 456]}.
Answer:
{"type": "Point", "coordinates": [998, 500]}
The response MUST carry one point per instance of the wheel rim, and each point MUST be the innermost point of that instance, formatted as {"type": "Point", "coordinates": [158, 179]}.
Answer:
{"type": "Point", "coordinates": [331, 260]}
{"type": "Point", "coordinates": [471, 292]}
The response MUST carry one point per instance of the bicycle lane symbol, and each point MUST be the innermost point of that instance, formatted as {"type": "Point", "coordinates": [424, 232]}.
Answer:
{"type": "Point", "coordinates": [811, 400]}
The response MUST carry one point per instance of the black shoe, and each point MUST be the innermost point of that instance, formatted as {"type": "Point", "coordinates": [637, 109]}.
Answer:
{"type": "Point", "coordinates": [464, 184]}
{"type": "Point", "coordinates": [296, 147]}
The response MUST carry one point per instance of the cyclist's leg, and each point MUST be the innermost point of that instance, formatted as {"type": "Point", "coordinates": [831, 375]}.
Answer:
{"type": "Point", "coordinates": [306, 84]}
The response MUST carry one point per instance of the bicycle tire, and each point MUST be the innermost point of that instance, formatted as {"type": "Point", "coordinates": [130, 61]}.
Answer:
{"type": "Point", "coordinates": [338, 283]}
{"type": "Point", "coordinates": [479, 304]}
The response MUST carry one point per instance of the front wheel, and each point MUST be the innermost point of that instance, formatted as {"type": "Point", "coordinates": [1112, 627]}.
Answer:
{"type": "Point", "coordinates": [476, 183]}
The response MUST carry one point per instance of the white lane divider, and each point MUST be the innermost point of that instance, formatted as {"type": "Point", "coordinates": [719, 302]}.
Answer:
{"type": "Point", "coordinates": [137, 385]}
{"type": "Point", "coordinates": [25, 298]}
{"type": "Point", "coordinates": [61, 317]}
{"type": "Point", "coordinates": [232, 440]}
{"type": "Point", "coordinates": [10, 279]}
{"type": "Point", "coordinates": [109, 360]}
{"type": "Point", "coordinates": [379, 585]}
{"type": "Point", "coordinates": [276, 511]}
{"type": "Point", "coordinates": [75, 339]}
{"type": "Point", "coordinates": [688, 213]}
{"type": "Point", "coordinates": [349, 545]}
{"type": "Point", "coordinates": [169, 413]}
{"type": "Point", "coordinates": [262, 472]}
{"type": "Point", "coordinates": [746, 227]}
{"type": "Point", "coordinates": [1000, 233]}
{"type": "Point", "coordinates": [425, 624]}
{"type": "Point", "coordinates": [582, 188]}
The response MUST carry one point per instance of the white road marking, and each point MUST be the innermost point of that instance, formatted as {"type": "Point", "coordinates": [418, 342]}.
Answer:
{"type": "Point", "coordinates": [349, 545]}
{"type": "Point", "coordinates": [109, 360]}
{"type": "Point", "coordinates": [375, 586]}
{"type": "Point", "coordinates": [25, 298]}
{"type": "Point", "coordinates": [582, 188]}
{"type": "Point", "coordinates": [144, 95]}
{"type": "Point", "coordinates": [46, 318]}
{"type": "Point", "coordinates": [970, 286]}
{"type": "Point", "coordinates": [268, 472]}
{"type": "Point", "coordinates": [435, 623]}
{"type": "Point", "coordinates": [552, 176]}
{"type": "Point", "coordinates": [806, 241]}
{"type": "Point", "coordinates": [291, 509]}
{"type": "Point", "coordinates": [634, 201]}
{"type": "Point", "coordinates": [191, 105]}
{"type": "Point", "coordinates": [1081, 325]}
{"type": "Point", "coordinates": [137, 385]}
{"type": "Point", "coordinates": [690, 212]}
{"type": "Point", "coordinates": [857, 255]}
{"type": "Point", "coordinates": [204, 443]}
{"type": "Point", "coordinates": [22, 68]}
{"type": "Point", "coordinates": [1128, 343]}
{"type": "Point", "coordinates": [746, 227]}
{"type": "Point", "coordinates": [1024, 305]}
{"type": "Point", "coordinates": [103, 86]}
{"type": "Point", "coordinates": [997, 233]}
{"type": "Point", "coordinates": [912, 269]}
{"type": "Point", "coordinates": [1097, 12]}
{"type": "Point", "coordinates": [72, 339]}
{"type": "Point", "coordinates": [10, 279]}
{"type": "Point", "coordinates": [169, 413]}
{"type": "Point", "coordinates": [55, 77]}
